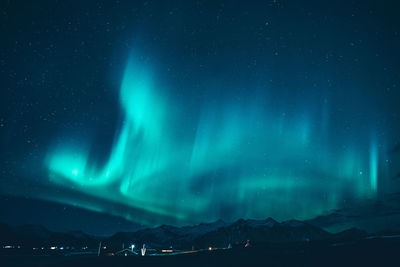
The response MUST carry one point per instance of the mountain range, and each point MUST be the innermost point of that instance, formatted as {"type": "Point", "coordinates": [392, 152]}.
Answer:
{"type": "Point", "coordinates": [38, 236]}
{"type": "Point", "coordinates": [204, 235]}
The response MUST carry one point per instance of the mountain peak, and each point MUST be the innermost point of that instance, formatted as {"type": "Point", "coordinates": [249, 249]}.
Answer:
{"type": "Point", "coordinates": [270, 221]}
{"type": "Point", "coordinates": [294, 223]}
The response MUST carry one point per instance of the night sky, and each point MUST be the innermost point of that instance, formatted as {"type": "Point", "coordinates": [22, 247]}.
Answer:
{"type": "Point", "coordinates": [118, 114]}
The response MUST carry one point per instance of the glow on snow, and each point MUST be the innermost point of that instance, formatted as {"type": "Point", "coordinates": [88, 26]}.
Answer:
{"type": "Point", "coordinates": [232, 161]}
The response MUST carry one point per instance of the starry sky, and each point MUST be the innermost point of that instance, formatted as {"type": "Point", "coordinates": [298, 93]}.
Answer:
{"type": "Point", "coordinates": [133, 113]}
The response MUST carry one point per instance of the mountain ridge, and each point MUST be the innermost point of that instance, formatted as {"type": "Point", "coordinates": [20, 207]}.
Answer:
{"type": "Point", "coordinates": [203, 235]}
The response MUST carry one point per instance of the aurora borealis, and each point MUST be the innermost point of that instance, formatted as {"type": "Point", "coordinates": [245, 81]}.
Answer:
{"type": "Point", "coordinates": [240, 154]}
{"type": "Point", "coordinates": [152, 113]}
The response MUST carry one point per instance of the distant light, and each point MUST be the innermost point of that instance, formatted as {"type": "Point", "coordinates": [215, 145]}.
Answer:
{"type": "Point", "coordinates": [209, 248]}
{"type": "Point", "coordinates": [53, 248]}
{"type": "Point", "coordinates": [133, 246]}
{"type": "Point", "coordinates": [143, 250]}
{"type": "Point", "coordinates": [75, 172]}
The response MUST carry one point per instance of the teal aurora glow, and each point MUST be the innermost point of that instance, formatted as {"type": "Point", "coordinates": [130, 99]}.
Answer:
{"type": "Point", "coordinates": [233, 159]}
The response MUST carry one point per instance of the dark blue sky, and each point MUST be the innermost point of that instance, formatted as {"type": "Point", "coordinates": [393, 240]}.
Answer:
{"type": "Point", "coordinates": [180, 112]}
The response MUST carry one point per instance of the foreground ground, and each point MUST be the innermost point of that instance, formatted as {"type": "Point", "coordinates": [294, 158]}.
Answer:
{"type": "Point", "coordinates": [368, 252]}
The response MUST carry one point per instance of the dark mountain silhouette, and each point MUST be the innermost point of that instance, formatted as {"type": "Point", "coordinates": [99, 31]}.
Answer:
{"type": "Point", "coordinates": [221, 234]}
{"type": "Point", "coordinates": [165, 235]}
{"type": "Point", "coordinates": [216, 234]}
{"type": "Point", "coordinates": [259, 231]}
{"type": "Point", "coordinates": [352, 234]}
{"type": "Point", "coordinates": [37, 236]}
{"type": "Point", "coordinates": [7, 234]}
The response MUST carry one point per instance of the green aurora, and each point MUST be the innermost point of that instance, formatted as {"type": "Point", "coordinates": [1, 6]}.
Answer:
{"type": "Point", "coordinates": [231, 160]}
